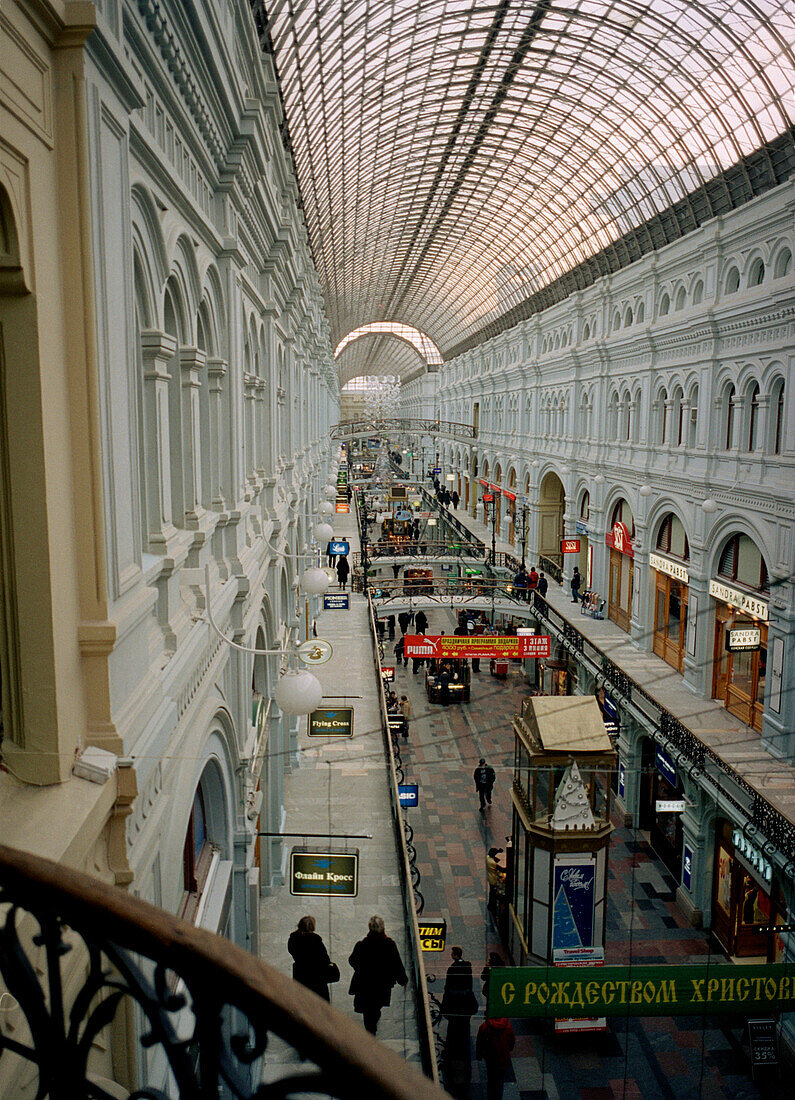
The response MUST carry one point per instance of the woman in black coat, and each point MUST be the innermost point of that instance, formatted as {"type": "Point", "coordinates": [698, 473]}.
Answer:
{"type": "Point", "coordinates": [311, 960]}
{"type": "Point", "coordinates": [343, 569]}
{"type": "Point", "coordinates": [376, 968]}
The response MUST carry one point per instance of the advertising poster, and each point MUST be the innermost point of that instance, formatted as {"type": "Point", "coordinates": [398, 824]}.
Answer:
{"type": "Point", "coordinates": [573, 904]}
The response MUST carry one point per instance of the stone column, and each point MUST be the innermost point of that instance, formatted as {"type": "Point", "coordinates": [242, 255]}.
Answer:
{"type": "Point", "coordinates": [218, 441]}
{"type": "Point", "coordinates": [191, 363]}
{"type": "Point", "coordinates": [157, 348]}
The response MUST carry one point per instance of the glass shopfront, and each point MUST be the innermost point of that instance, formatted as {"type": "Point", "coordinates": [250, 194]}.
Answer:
{"type": "Point", "coordinates": [747, 903]}
{"type": "Point", "coordinates": [619, 539]}
{"type": "Point", "coordinates": [660, 786]}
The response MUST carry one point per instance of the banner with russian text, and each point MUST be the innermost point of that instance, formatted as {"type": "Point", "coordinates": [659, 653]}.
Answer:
{"type": "Point", "coordinates": [481, 645]}
{"type": "Point", "coordinates": [525, 991]}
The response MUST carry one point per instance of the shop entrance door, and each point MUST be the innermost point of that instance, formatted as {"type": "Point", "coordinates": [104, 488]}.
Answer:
{"type": "Point", "coordinates": [620, 596]}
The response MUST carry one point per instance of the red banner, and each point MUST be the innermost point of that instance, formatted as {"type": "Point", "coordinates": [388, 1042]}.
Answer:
{"type": "Point", "coordinates": [483, 645]}
{"type": "Point", "coordinates": [619, 539]}
{"type": "Point", "coordinates": [570, 546]}
{"type": "Point", "coordinates": [488, 498]}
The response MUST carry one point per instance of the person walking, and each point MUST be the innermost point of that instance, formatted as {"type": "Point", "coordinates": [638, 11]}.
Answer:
{"type": "Point", "coordinates": [484, 783]}
{"type": "Point", "coordinates": [404, 618]}
{"type": "Point", "coordinates": [485, 974]}
{"type": "Point", "coordinates": [455, 498]}
{"type": "Point", "coordinates": [520, 584]}
{"type": "Point", "coordinates": [399, 651]}
{"type": "Point", "coordinates": [377, 967]}
{"type": "Point", "coordinates": [312, 966]}
{"type": "Point", "coordinates": [343, 569]}
{"type": "Point", "coordinates": [421, 622]}
{"type": "Point", "coordinates": [576, 581]}
{"type": "Point", "coordinates": [459, 1004]}
{"type": "Point", "coordinates": [444, 685]}
{"type": "Point", "coordinates": [404, 706]}
{"type": "Point", "coordinates": [532, 579]}
{"type": "Point", "coordinates": [494, 1043]}
{"type": "Point", "coordinates": [330, 556]}
{"type": "Point", "coordinates": [543, 585]}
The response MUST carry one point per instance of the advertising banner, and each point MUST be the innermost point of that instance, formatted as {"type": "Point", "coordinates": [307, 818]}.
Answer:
{"type": "Point", "coordinates": [409, 794]}
{"type": "Point", "coordinates": [433, 933]}
{"type": "Point", "coordinates": [338, 546]}
{"type": "Point", "coordinates": [331, 722]}
{"type": "Point", "coordinates": [570, 546]}
{"type": "Point", "coordinates": [326, 874]}
{"type": "Point", "coordinates": [484, 645]}
{"type": "Point", "coordinates": [669, 990]}
{"type": "Point", "coordinates": [573, 904]}
{"type": "Point", "coordinates": [343, 506]}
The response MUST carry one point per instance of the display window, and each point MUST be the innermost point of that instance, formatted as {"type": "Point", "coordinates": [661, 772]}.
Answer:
{"type": "Point", "coordinates": [619, 539]}
{"type": "Point", "coordinates": [739, 675]}
{"type": "Point", "coordinates": [665, 829]}
{"type": "Point", "coordinates": [671, 593]}
{"type": "Point", "coordinates": [747, 902]}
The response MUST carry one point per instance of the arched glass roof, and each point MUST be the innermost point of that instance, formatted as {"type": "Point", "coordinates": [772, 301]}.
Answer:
{"type": "Point", "coordinates": [456, 157]}
{"type": "Point", "coordinates": [417, 339]}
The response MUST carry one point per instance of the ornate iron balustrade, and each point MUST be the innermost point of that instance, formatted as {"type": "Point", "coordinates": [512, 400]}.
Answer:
{"type": "Point", "coordinates": [206, 1005]}
{"type": "Point", "coordinates": [348, 429]}
{"type": "Point", "coordinates": [551, 567]}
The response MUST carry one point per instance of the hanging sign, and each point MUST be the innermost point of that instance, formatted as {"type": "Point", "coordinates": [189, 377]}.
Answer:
{"type": "Point", "coordinates": [324, 874]}
{"type": "Point", "coordinates": [486, 645]}
{"type": "Point", "coordinates": [762, 1040]}
{"type": "Point", "coordinates": [687, 866]}
{"type": "Point", "coordinates": [739, 638]}
{"type": "Point", "coordinates": [387, 674]}
{"type": "Point", "coordinates": [669, 805]}
{"type": "Point", "coordinates": [328, 722]}
{"type": "Point", "coordinates": [664, 990]}
{"type": "Point", "coordinates": [742, 600]}
{"type": "Point", "coordinates": [343, 506]}
{"type": "Point", "coordinates": [622, 780]}
{"type": "Point", "coordinates": [408, 794]}
{"type": "Point", "coordinates": [619, 539]}
{"type": "Point", "coordinates": [750, 857]}
{"type": "Point", "coordinates": [488, 498]}
{"type": "Point", "coordinates": [433, 933]}
{"type": "Point", "coordinates": [337, 601]}
{"type": "Point", "coordinates": [339, 546]}
{"type": "Point", "coordinates": [569, 546]}
{"type": "Point", "coordinates": [315, 651]}
{"type": "Point", "coordinates": [665, 766]}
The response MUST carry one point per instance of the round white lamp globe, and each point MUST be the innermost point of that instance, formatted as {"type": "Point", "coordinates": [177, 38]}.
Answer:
{"type": "Point", "coordinates": [330, 491]}
{"type": "Point", "coordinates": [314, 581]}
{"type": "Point", "coordinates": [298, 692]}
{"type": "Point", "coordinates": [326, 508]}
{"type": "Point", "coordinates": [324, 532]}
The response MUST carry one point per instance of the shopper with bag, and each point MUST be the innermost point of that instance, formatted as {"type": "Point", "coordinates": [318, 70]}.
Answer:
{"type": "Point", "coordinates": [376, 968]}
{"type": "Point", "coordinates": [312, 966]}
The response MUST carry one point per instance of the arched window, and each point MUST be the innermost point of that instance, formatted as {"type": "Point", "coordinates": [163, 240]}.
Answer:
{"type": "Point", "coordinates": [732, 283]}
{"type": "Point", "coordinates": [622, 513]}
{"type": "Point", "coordinates": [756, 276]}
{"type": "Point", "coordinates": [777, 415]}
{"type": "Point", "coordinates": [640, 313]}
{"type": "Point", "coordinates": [698, 292]}
{"type": "Point", "coordinates": [665, 305]}
{"type": "Point", "coordinates": [196, 857]}
{"type": "Point", "coordinates": [662, 416]}
{"type": "Point", "coordinates": [628, 316]}
{"type": "Point", "coordinates": [753, 417]}
{"type": "Point", "coordinates": [677, 417]}
{"type": "Point", "coordinates": [681, 298]}
{"type": "Point", "coordinates": [616, 321]}
{"type": "Point", "coordinates": [585, 506]}
{"type": "Point", "coordinates": [586, 332]}
{"type": "Point", "coordinates": [728, 417]}
{"type": "Point", "coordinates": [672, 538]}
{"type": "Point", "coordinates": [742, 561]}
{"type": "Point", "coordinates": [783, 264]}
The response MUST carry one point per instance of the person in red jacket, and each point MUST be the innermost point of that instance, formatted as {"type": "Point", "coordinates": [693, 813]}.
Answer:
{"type": "Point", "coordinates": [494, 1044]}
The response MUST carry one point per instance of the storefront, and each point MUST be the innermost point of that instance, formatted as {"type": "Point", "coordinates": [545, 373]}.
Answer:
{"type": "Point", "coordinates": [670, 609]}
{"type": "Point", "coordinates": [585, 560]}
{"type": "Point", "coordinates": [661, 805]}
{"type": "Point", "coordinates": [619, 539]}
{"type": "Point", "coordinates": [746, 900]}
{"type": "Point", "coordinates": [741, 614]}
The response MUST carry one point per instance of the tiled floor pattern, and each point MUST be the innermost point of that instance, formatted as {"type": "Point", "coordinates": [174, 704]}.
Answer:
{"type": "Point", "coordinates": [676, 1058]}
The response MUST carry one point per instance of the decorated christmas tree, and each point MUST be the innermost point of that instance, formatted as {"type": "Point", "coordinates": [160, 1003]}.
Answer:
{"type": "Point", "coordinates": [571, 809]}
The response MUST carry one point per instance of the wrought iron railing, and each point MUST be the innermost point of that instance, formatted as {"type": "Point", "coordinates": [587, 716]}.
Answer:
{"type": "Point", "coordinates": [348, 428]}
{"type": "Point", "coordinates": [207, 1007]}
{"type": "Point", "coordinates": [552, 568]}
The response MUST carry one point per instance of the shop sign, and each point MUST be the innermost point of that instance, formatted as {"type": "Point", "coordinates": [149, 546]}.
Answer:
{"type": "Point", "coordinates": [488, 498]}
{"type": "Point", "coordinates": [742, 600]}
{"type": "Point", "coordinates": [687, 866]}
{"type": "Point", "coordinates": [750, 857]}
{"type": "Point", "coordinates": [743, 638]}
{"type": "Point", "coordinates": [433, 933]}
{"type": "Point", "coordinates": [387, 674]}
{"type": "Point", "coordinates": [611, 709]}
{"type": "Point", "coordinates": [339, 546]}
{"type": "Point", "coordinates": [336, 601]}
{"type": "Point", "coordinates": [669, 805]}
{"type": "Point", "coordinates": [671, 568]}
{"type": "Point", "coordinates": [315, 651]}
{"type": "Point", "coordinates": [622, 780]}
{"type": "Point", "coordinates": [762, 1041]}
{"type": "Point", "coordinates": [484, 645]}
{"type": "Point", "coordinates": [326, 722]}
{"type": "Point", "coordinates": [570, 546]}
{"type": "Point", "coordinates": [343, 506]}
{"type": "Point", "coordinates": [408, 794]}
{"type": "Point", "coordinates": [665, 766]}
{"type": "Point", "coordinates": [664, 990]}
{"type": "Point", "coordinates": [619, 539]}
{"type": "Point", "coordinates": [581, 528]}
{"type": "Point", "coordinates": [324, 874]}
{"type": "Point", "coordinates": [437, 469]}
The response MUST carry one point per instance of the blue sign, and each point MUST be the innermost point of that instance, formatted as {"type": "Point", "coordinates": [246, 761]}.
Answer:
{"type": "Point", "coordinates": [409, 794]}
{"type": "Point", "coordinates": [573, 903]}
{"type": "Point", "coordinates": [580, 527]}
{"type": "Point", "coordinates": [338, 546]}
{"type": "Point", "coordinates": [337, 601]}
{"type": "Point", "coordinates": [611, 710]}
{"type": "Point", "coordinates": [437, 469]}
{"type": "Point", "coordinates": [622, 779]}
{"type": "Point", "coordinates": [665, 766]}
{"type": "Point", "coordinates": [403, 514]}
{"type": "Point", "coordinates": [687, 866]}
{"type": "Point", "coordinates": [446, 568]}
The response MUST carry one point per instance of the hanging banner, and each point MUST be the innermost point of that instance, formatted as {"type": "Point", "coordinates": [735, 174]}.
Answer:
{"type": "Point", "coordinates": [337, 722]}
{"type": "Point", "coordinates": [326, 874]}
{"type": "Point", "coordinates": [573, 902]}
{"type": "Point", "coordinates": [485, 645]}
{"type": "Point", "coordinates": [669, 990]}
{"type": "Point", "coordinates": [569, 546]}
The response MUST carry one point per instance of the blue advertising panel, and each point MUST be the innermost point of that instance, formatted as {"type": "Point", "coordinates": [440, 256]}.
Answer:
{"type": "Point", "coordinates": [446, 568]}
{"type": "Point", "coordinates": [611, 709]}
{"type": "Point", "coordinates": [409, 794]}
{"type": "Point", "coordinates": [336, 601]}
{"type": "Point", "coordinates": [665, 766]}
{"type": "Point", "coordinates": [437, 469]}
{"type": "Point", "coordinates": [338, 546]}
{"type": "Point", "coordinates": [573, 903]}
{"type": "Point", "coordinates": [687, 866]}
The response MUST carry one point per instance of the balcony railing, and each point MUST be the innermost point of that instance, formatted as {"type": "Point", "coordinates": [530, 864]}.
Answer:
{"type": "Point", "coordinates": [348, 429]}
{"type": "Point", "coordinates": [208, 1008]}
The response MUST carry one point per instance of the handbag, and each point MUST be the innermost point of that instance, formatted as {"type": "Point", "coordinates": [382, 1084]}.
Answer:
{"type": "Point", "coordinates": [332, 973]}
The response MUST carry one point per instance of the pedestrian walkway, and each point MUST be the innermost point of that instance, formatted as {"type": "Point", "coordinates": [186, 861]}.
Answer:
{"type": "Point", "coordinates": [341, 787]}
{"type": "Point", "coordinates": [675, 1058]}
{"type": "Point", "coordinates": [739, 745]}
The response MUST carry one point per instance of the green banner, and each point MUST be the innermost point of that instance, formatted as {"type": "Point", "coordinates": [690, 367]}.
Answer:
{"type": "Point", "coordinates": [640, 990]}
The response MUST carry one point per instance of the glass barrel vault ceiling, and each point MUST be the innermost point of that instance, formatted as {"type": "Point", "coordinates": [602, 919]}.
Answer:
{"type": "Point", "coordinates": [456, 157]}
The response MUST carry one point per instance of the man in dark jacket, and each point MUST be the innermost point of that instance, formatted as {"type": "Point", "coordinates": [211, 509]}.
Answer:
{"type": "Point", "coordinates": [576, 581]}
{"type": "Point", "coordinates": [484, 782]}
{"type": "Point", "coordinates": [376, 968]}
{"type": "Point", "coordinates": [455, 498]}
{"type": "Point", "coordinates": [543, 585]}
{"type": "Point", "coordinates": [403, 621]}
{"type": "Point", "coordinates": [421, 622]}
